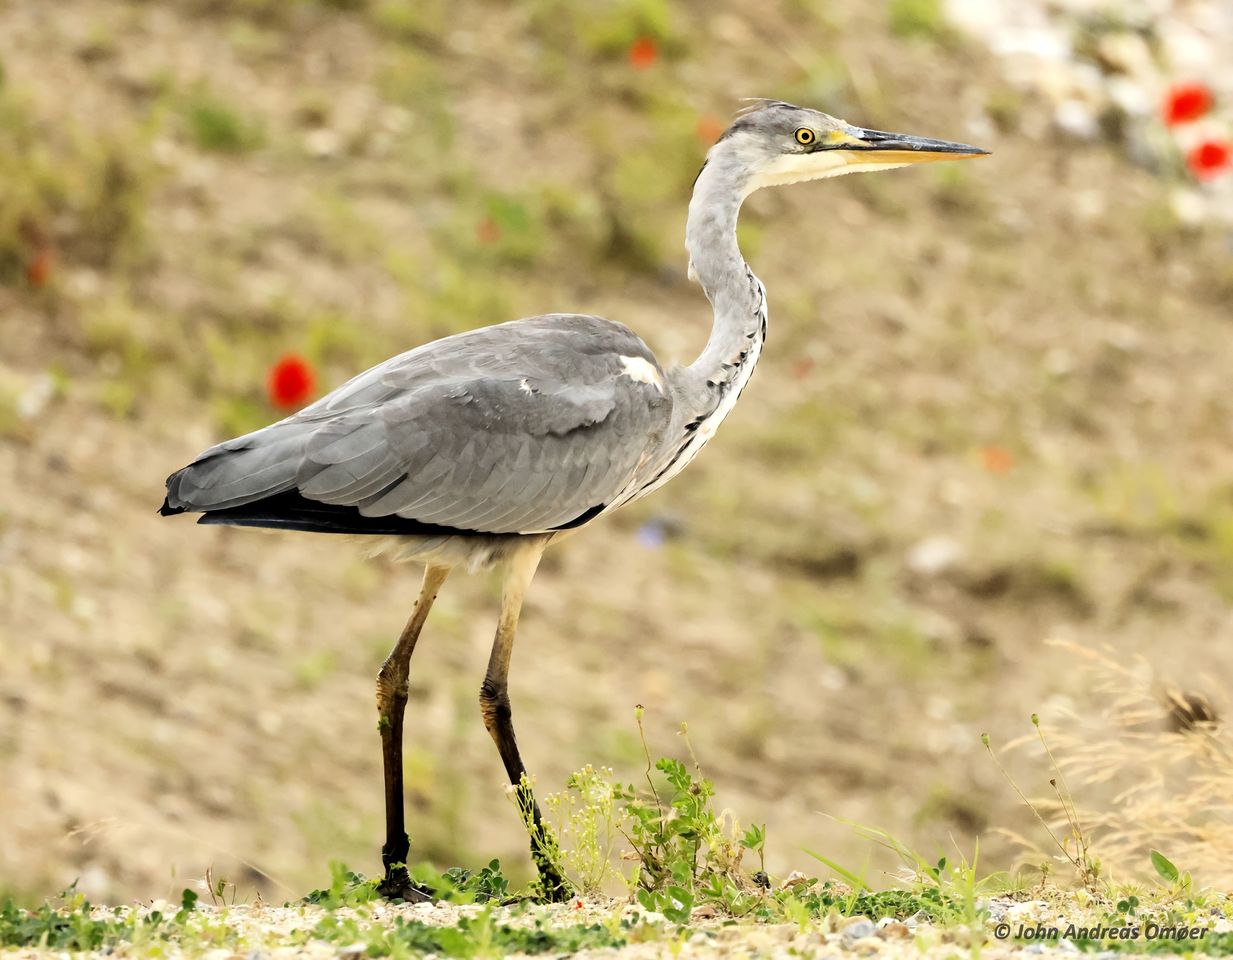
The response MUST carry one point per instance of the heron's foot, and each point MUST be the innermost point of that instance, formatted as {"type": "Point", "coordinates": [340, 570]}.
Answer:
{"type": "Point", "coordinates": [398, 885]}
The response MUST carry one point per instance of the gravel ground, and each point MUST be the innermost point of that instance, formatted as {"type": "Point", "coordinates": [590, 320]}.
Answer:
{"type": "Point", "coordinates": [283, 932]}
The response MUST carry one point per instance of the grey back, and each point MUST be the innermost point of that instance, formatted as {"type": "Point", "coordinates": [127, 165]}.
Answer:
{"type": "Point", "coordinates": [521, 427]}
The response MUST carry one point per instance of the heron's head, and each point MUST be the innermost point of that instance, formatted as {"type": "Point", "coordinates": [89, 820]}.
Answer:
{"type": "Point", "coordinates": [774, 143]}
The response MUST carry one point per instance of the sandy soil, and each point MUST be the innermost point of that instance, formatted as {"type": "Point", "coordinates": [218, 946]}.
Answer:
{"type": "Point", "coordinates": [994, 408]}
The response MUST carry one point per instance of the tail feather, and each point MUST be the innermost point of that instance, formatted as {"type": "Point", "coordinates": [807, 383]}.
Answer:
{"type": "Point", "coordinates": [252, 482]}
{"type": "Point", "coordinates": [240, 471]}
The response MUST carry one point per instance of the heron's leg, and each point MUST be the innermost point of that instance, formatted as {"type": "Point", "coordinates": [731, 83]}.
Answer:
{"type": "Point", "coordinates": [494, 704]}
{"type": "Point", "coordinates": [391, 706]}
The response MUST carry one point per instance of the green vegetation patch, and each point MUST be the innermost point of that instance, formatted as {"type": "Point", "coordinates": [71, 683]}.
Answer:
{"type": "Point", "coordinates": [76, 924]}
{"type": "Point", "coordinates": [217, 126]}
{"type": "Point", "coordinates": [481, 935]}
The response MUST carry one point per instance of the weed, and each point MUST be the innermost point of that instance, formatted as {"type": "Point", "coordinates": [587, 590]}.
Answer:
{"type": "Point", "coordinates": [951, 891]}
{"type": "Point", "coordinates": [918, 18]}
{"type": "Point", "coordinates": [75, 924]}
{"type": "Point", "coordinates": [1075, 847]}
{"type": "Point", "coordinates": [67, 196]}
{"type": "Point", "coordinates": [611, 34]}
{"type": "Point", "coordinates": [686, 853]}
{"type": "Point", "coordinates": [314, 668]}
{"type": "Point", "coordinates": [348, 920]}
{"type": "Point", "coordinates": [588, 824]}
{"type": "Point", "coordinates": [346, 889]}
{"type": "Point", "coordinates": [1165, 869]}
{"type": "Point", "coordinates": [956, 191]}
{"type": "Point", "coordinates": [478, 935]}
{"type": "Point", "coordinates": [219, 889]}
{"type": "Point", "coordinates": [418, 23]}
{"type": "Point", "coordinates": [1004, 106]}
{"type": "Point", "coordinates": [214, 125]}
{"type": "Point", "coordinates": [510, 229]}
{"type": "Point", "coordinates": [1164, 760]}
{"type": "Point", "coordinates": [479, 886]}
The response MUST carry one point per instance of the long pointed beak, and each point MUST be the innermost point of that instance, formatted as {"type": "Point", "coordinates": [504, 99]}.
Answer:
{"type": "Point", "coordinates": [904, 148]}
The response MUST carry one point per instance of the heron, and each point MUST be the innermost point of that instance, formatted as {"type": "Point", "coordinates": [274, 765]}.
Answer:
{"type": "Point", "coordinates": [482, 448]}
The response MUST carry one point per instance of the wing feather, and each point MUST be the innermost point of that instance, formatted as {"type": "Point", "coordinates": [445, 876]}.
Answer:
{"type": "Point", "coordinates": [517, 428]}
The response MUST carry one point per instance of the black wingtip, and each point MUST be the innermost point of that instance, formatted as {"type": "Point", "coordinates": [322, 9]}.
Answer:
{"type": "Point", "coordinates": [290, 510]}
{"type": "Point", "coordinates": [173, 486]}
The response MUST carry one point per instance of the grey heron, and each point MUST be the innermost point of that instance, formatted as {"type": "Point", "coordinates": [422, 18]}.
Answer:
{"type": "Point", "coordinates": [484, 447]}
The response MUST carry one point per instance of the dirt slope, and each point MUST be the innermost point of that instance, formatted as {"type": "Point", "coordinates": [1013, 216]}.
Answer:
{"type": "Point", "coordinates": [993, 409]}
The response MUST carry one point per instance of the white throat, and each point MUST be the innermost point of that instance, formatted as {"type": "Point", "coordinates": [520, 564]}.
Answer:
{"type": "Point", "coordinates": [796, 167]}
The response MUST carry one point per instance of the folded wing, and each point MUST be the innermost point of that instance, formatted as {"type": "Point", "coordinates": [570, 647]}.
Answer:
{"type": "Point", "coordinates": [523, 427]}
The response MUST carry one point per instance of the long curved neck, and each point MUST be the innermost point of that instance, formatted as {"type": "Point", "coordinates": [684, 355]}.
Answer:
{"type": "Point", "coordinates": [705, 392]}
{"type": "Point", "coordinates": [736, 295]}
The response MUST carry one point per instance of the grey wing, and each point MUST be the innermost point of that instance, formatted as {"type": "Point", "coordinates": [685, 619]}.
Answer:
{"type": "Point", "coordinates": [523, 427]}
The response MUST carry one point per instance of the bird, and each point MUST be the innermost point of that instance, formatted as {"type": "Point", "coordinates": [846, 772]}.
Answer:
{"type": "Point", "coordinates": [483, 448]}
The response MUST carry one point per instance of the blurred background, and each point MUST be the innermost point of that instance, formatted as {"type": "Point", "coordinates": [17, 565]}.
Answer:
{"type": "Point", "coordinates": [994, 409]}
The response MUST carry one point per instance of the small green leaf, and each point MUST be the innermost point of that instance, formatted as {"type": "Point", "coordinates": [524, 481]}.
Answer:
{"type": "Point", "coordinates": [855, 882]}
{"type": "Point", "coordinates": [1164, 867]}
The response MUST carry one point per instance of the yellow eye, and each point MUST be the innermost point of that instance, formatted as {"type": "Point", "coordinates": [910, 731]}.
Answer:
{"type": "Point", "coordinates": [805, 136]}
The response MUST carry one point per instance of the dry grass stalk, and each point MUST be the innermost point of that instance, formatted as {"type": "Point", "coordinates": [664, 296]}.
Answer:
{"type": "Point", "coordinates": [1153, 769]}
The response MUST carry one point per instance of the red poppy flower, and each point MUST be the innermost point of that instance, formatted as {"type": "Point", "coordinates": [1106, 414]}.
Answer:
{"type": "Point", "coordinates": [1186, 102]}
{"type": "Point", "coordinates": [291, 381]}
{"type": "Point", "coordinates": [997, 460]}
{"type": "Point", "coordinates": [38, 270]}
{"type": "Point", "coordinates": [487, 231]}
{"type": "Point", "coordinates": [1209, 159]}
{"type": "Point", "coordinates": [710, 128]}
{"type": "Point", "coordinates": [643, 53]}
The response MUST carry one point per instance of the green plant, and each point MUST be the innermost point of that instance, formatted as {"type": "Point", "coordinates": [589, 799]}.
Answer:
{"type": "Point", "coordinates": [479, 886]}
{"type": "Point", "coordinates": [215, 125]}
{"type": "Point", "coordinates": [948, 890]}
{"type": "Point", "coordinates": [75, 924]}
{"type": "Point", "coordinates": [1075, 846]}
{"type": "Point", "coordinates": [346, 889]}
{"type": "Point", "coordinates": [477, 935]}
{"type": "Point", "coordinates": [587, 820]}
{"type": "Point", "coordinates": [410, 22]}
{"type": "Point", "coordinates": [1164, 760]}
{"type": "Point", "coordinates": [1180, 883]}
{"type": "Point", "coordinates": [455, 885]}
{"type": "Point", "coordinates": [687, 853]}
{"type": "Point", "coordinates": [611, 33]}
{"type": "Point", "coordinates": [917, 18]}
